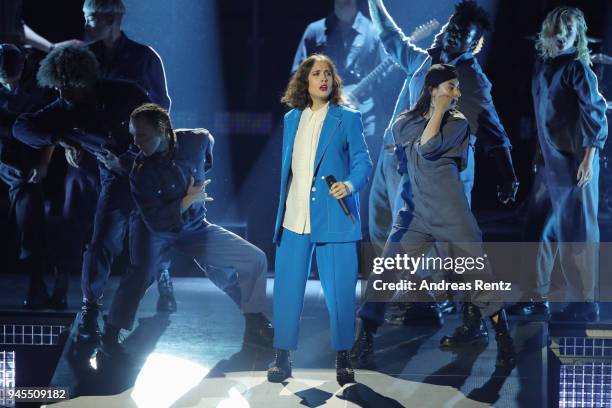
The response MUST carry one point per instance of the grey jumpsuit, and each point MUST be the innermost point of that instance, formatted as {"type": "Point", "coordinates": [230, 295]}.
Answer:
{"type": "Point", "coordinates": [438, 211]}
{"type": "Point", "coordinates": [570, 116]}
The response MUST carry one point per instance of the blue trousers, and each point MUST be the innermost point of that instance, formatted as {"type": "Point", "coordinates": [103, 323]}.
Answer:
{"type": "Point", "coordinates": [337, 264]}
{"type": "Point", "coordinates": [110, 226]}
{"type": "Point", "coordinates": [381, 203]}
{"type": "Point", "coordinates": [232, 263]}
{"type": "Point", "coordinates": [571, 234]}
{"type": "Point", "coordinates": [80, 197]}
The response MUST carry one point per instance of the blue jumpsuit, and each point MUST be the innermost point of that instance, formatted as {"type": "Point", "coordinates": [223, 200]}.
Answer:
{"type": "Point", "coordinates": [132, 62]}
{"type": "Point", "coordinates": [93, 130]}
{"type": "Point", "coordinates": [475, 103]}
{"type": "Point", "coordinates": [435, 207]}
{"type": "Point", "coordinates": [158, 184]}
{"type": "Point", "coordinates": [570, 116]}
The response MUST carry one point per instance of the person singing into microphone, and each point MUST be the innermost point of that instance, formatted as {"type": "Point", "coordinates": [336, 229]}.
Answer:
{"type": "Point", "coordinates": [320, 138]}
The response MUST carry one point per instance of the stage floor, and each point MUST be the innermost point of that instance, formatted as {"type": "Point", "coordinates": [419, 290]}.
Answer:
{"type": "Point", "coordinates": [195, 358]}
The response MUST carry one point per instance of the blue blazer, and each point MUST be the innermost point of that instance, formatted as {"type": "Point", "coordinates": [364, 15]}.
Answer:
{"type": "Point", "coordinates": [341, 152]}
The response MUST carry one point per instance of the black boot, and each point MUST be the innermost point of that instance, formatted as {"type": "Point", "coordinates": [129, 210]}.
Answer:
{"type": "Point", "coordinates": [37, 297]}
{"type": "Point", "coordinates": [472, 331]}
{"type": "Point", "coordinates": [258, 330]}
{"type": "Point", "coordinates": [531, 308]}
{"type": "Point", "coordinates": [166, 303]}
{"type": "Point", "coordinates": [579, 312]}
{"type": "Point", "coordinates": [506, 356]}
{"type": "Point", "coordinates": [344, 371]}
{"type": "Point", "coordinates": [58, 301]}
{"type": "Point", "coordinates": [88, 330]}
{"type": "Point", "coordinates": [110, 345]}
{"type": "Point", "coordinates": [423, 314]}
{"type": "Point", "coordinates": [363, 348]}
{"type": "Point", "coordinates": [280, 369]}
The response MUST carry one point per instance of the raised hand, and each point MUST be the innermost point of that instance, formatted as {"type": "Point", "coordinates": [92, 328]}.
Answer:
{"type": "Point", "coordinates": [195, 194]}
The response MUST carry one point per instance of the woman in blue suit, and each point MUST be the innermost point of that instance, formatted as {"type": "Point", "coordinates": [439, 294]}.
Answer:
{"type": "Point", "coordinates": [321, 138]}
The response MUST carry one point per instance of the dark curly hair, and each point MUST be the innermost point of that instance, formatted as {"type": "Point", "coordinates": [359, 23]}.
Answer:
{"type": "Point", "coordinates": [157, 117]}
{"type": "Point", "coordinates": [297, 96]}
{"type": "Point", "coordinates": [470, 11]}
{"type": "Point", "coordinates": [70, 66]}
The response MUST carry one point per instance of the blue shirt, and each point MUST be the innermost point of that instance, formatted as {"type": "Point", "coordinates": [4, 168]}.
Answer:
{"type": "Point", "coordinates": [159, 182]}
{"type": "Point", "coordinates": [354, 58]}
{"type": "Point", "coordinates": [135, 62]}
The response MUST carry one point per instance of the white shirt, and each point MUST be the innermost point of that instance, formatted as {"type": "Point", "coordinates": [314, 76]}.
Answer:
{"type": "Point", "coordinates": [297, 206]}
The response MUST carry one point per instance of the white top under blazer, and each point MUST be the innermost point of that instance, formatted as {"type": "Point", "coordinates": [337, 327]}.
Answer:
{"type": "Point", "coordinates": [297, 209]}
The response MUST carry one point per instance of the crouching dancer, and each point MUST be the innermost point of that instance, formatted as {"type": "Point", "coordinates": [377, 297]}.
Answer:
{"type": "Point", "coordinates": [168, 188]}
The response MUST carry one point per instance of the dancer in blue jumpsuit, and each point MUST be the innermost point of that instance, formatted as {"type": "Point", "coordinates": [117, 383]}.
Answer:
{"type": "Point", "coordinates": [456, 45]}
{"type": "Point", "coordinates": [23, 168]}
{"type": "Point", "coordinates": [435, 138]}
{"type": "Point", "coordinates": [91, 115]}
{"type": "Point", "coordinates": [119, 57]}
{"type": "Point", "coordinates": [572, 129]}
{"type": "Point", "coordinates": [168, 187]}
{"type": "Point", "coordinates": [321, 138]}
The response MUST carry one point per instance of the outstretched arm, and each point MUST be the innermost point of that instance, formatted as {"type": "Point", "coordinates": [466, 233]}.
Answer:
{"type": "Point", "coordinates": [396, 44]}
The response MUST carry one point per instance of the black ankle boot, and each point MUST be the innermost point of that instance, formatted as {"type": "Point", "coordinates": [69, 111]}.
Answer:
{"type": "Point", "coordinates": [363, 348]}
{"type": "Point", "coordinates": [579, 312]}
{"type": "Point", "coordinates": [472, 331]}
{"type": "Point", "coordinates": [110, 344]}
{"type": "Point", "coordinates": [88, 329]}
{"type": "Point", "coordinates": [531, 308]}
{"type": "Point", "coordinates": [166, 303]}
{"type": "Point", "coordinates": [280, 369]}
{"type": "Point", "coordinates": [258, 330]}
{"type": "Point", "coordinates": [423, 314]}
{"type": "Point", "coordinates": [37, 297]}
{"type": "Point", "coordinates": [506, 356]}
{"type": "Point", "coordinates": [344, 371]}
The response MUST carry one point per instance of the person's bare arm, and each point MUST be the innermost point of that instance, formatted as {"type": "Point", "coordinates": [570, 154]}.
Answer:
{"type": "Point", "coordinates": [41, 43]}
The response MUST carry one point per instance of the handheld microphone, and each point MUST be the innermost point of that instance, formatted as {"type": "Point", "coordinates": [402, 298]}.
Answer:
{"type": "Point", "coordinates": [330, 181]}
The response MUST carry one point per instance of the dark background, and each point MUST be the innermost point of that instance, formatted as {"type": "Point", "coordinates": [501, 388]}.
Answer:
{"type": "Point", "coordinates": [235, 56]}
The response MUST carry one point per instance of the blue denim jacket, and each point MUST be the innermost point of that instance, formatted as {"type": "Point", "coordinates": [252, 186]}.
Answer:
{"type": "Point", "coordinates": [159, 182]}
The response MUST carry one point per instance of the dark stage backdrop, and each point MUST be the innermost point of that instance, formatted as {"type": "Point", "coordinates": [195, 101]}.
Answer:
{"type": "Point", "coordinates": [227, 63]}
